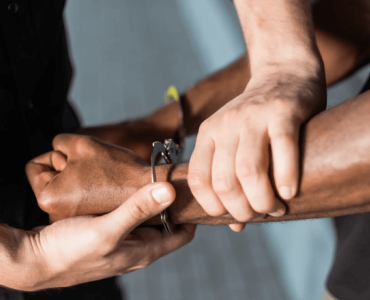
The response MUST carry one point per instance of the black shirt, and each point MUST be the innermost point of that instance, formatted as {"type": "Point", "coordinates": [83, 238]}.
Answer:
{"type": "Point", "coordinates": [35, 74]}
{"type": "Point", "coordinates": [349, 278]}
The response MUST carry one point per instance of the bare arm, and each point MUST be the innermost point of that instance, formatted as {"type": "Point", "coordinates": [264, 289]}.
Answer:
{"type": "Point", "coordinates": [343, 47]}
{"type": "Point", "coordinates": [17, 257]}
{"type": "Point", "coordinates": [342, 31]}
{"type": "Point", "coordinates": [211, 93]}
{"type": "Point", "coordinates": [75, 251]}
{"type": "Point", "coordinates": [335, 175]}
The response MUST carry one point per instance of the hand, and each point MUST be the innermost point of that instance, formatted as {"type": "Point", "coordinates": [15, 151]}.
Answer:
{"type": "Point", "coordinates": [228, 171]}
{"type": "Point", "coordinates": [88, 248]}
{"type": "Point", "coordinates": [136, 135]}
{"type": "Point", "coordinates": [85, 176]}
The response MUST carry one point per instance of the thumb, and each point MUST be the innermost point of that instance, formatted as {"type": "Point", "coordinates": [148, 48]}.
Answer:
{"type": "Point", "coordinates": [59, 160]}
{"type": "Point", "coordinates": [146, 203]}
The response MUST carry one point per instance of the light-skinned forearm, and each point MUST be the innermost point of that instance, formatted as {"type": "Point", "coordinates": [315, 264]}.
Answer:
{"type": "Point", "coordinates": [279, 34]}
{"type": "Point", "coordinates": [20, 268]}
{"type": "Point", "coordinates": [342, 51]}
{"type": "Point", "coordinates": [342, 46]}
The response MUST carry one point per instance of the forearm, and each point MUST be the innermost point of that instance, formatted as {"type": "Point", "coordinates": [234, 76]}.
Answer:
{"type": "Point", "coordinates": [342, 32]}
{"type": "Point", "coordinates": [334, 179]}
{"type": "Point", "coordinates": [279, 34]}
{"type": "Point", "coordinates": [19, 266]}
{"type": "Point", "coordinates": [335, 174]}
{"type": "Point", "coordinates": [207, 96]}
{"type": "Point", "coordinates": [342, 47]}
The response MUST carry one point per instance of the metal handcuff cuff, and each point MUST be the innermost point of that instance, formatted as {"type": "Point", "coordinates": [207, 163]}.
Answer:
{"type": "Point", "coordinates": [170, 150]}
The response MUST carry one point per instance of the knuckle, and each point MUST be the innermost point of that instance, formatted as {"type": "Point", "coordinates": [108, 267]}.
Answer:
{"type": "Point", "coordinates": [282, 131]}
{"type": "Point", "coordinates": [284, 112]}
{"type": "Point", "coordinates": [204, 128]}
{"type": "Point", "coordinates": [282, 105]}
{"type": "Point", "coordinates": [247, 216]}
{"type": "Point", "coordinates": [253, 107]}
{"type": "Point", "coordinates": [56, 138]}
{"type": "Point", "coordinates": [46, 202]}
{"type": "Point", "coordinates": [223, 185]}
{"type": "Point", "coordinates": [265, 206]}
{"type": "Point", "coordinates": [214, 211]}
{"type": "Point", "coordinates": [286, 176]}
{"type": "Point", "coordinates": [196, 180]}
{"type": "Point", "coordinates": [50, 204]}
{"type": "Point", "coordinates": [28, 166]}
{"type": "Point", "coordinates": [228, 117]}
{"type": "Point", "coordinates": [140, 208]}
{"type": "Point", "coordinates": [83, 144]}
{"type": "Point", "coordinates": [245, 169]}
{"type": "Point", "coordinates": [280, 134]}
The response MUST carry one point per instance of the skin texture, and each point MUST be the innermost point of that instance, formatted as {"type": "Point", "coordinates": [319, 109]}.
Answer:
{"type": "Point", "coordinates": [39, 255]}
{"type": "Point", "coordinates": [98, 247]}
{"type": "Point", "coordinates": [228, 170]}
{"type": "Point", "coordinates": [332, 181]}
{"type": "Point", "coordinates": [343, 49]}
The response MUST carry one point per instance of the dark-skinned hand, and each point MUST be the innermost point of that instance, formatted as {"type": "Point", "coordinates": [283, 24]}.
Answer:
{"type": "Point", "coordinates": [85, 173]}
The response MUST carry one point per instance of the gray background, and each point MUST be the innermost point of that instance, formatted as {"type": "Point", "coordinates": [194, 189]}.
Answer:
{"type": "Point", "coordinates": [125, 54]}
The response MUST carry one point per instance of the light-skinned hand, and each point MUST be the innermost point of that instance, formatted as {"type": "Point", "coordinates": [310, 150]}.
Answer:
{"type": "Point", "coordinates": [228, 171]}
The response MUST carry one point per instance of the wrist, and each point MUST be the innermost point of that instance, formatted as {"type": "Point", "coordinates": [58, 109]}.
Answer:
{"type": "Point", "coordinates": [22, 268]}
{"type": "Point", "coordinates": [306, 65]}
{"type": "Point", "coordinates": [164, 120]}
{"type": "Point", "coordinates": [162, 173]}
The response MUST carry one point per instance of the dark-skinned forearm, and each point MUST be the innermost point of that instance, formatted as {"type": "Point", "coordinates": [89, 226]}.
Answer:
{"type": "Point", "coordinates": [343, 48]}
{"type": "Point", "coordinates": [335, 176]}
{"type": "Point", "coordinates": [340, 53]}
{"type": "Point", "coordinates": [342, 44]}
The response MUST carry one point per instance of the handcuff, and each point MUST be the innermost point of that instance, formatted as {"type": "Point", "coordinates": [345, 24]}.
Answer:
{"type": "Point", "coordinates": [169, 150]}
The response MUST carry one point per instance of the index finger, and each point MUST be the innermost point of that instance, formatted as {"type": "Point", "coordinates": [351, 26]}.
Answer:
{"type": "Point", "coordinates": [64, 142]}
{"type": "Point", "coordinates": [165, 243]}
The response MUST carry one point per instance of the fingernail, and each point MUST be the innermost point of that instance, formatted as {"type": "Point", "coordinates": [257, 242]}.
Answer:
{"type": "Point", "coordinates": [285, 192]}
{"type": "Point", "coordinates": [161, 195]}
{"type": "Point", "coordinates": [278, 213]}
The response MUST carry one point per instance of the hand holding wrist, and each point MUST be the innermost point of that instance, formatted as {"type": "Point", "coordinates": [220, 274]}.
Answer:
{"type": "Point", "coordinates": [308, 66]}
{"type": "Point", "coordinates": [89, 248]}
{"type": "Point", "coordinates": [228, 171]}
